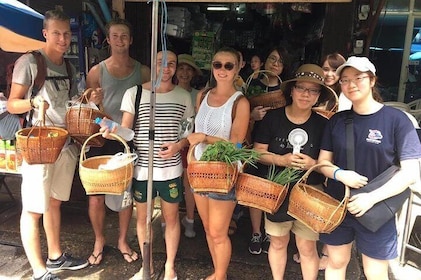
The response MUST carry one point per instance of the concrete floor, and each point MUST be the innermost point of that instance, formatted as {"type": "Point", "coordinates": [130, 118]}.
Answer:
{"type": "Point", "coordinates": [193, 260]}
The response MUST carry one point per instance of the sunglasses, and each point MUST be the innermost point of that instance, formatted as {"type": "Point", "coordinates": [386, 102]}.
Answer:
{"type": "Point", "coordinates": [218, 65]}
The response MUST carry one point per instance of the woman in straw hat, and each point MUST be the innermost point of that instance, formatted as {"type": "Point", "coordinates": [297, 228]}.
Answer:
{"type": "Point", "coordinates": [274, 138]}
{"type": "Point", "coordinates": [384, 136]}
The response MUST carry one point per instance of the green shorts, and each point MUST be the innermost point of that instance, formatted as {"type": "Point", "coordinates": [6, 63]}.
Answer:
{"type": "Point", "coordinates": [170, 191]}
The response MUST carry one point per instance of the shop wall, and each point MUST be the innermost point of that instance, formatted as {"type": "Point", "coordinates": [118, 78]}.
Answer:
{"type": "Point", "coordinates": [307, 30]}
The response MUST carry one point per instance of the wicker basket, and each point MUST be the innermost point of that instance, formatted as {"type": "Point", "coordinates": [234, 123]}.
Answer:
{"type": "Point", "coordinates": [316, 209]}
{"type": "Point", "coordinates": [210, 176]}
{"type": "Point", "coordinates": [274, 99]}
{"type": "Point", "coordinates": [81, 124]}
{"type": "Point", "coordinates": [259, 193]}
{"type": "Point", "coordinates": [41, 144]}
{"type": "Point", "coordinates": [96, 181]}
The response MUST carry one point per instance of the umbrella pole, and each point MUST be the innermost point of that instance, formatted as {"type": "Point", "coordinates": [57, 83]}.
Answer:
{"type": "Point", "coordinates": [146, 246]}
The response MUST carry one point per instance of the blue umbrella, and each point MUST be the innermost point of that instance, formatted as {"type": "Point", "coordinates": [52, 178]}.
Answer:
{"type": "Point", "coordinates": [20, 27]}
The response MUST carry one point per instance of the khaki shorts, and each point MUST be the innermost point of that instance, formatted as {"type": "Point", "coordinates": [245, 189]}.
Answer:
{"type": "Point", "coordinates": [42, 181]}
{"type": "Point", "coordinates": [283, 228]}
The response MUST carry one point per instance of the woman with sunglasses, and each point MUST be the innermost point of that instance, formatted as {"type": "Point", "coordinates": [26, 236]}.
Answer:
{"type": "Point", "coordinates": [215, 121]}
{"type": "Point", "coordinates": [277, 64]}
{"type": "Point", "coordinates": [274, 138]}
{"type": "Point", "coordinates": [384, 136]}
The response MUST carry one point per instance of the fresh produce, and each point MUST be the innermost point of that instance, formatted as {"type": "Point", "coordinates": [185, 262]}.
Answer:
{"type": "Point", "coordinates": [284, 176]}
{"type": "Point", "coordinates": [228, 152]}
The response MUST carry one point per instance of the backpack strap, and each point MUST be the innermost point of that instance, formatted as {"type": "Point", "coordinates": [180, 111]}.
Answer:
{"type": "Point", "coordinates": [41, 72]}
{"type": "Point", "coordinates": [136, 105]}
{"type": "Point", "coordinates": [38, 82]}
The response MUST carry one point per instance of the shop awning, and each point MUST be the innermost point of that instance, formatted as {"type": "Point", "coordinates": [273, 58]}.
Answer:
{"type": "Point", "coordinates": [20, 27]}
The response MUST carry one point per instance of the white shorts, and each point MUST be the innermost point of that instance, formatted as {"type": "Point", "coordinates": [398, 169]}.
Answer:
{"type": "Point", "coordinates": [42, 181]}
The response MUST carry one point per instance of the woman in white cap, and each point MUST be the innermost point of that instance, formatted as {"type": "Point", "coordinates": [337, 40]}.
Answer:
{"type": "Point", "coordinates": [274, 139]}
{"type": "Point", "coordinates": [186, 71]}
{"type": "Point", "coordinates": [384, 136]}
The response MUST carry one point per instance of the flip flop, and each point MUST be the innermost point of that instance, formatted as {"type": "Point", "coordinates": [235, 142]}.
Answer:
{"type": "Point", "coordinates": [100, 254]}
{"type": "Point", "coordinates": [127, 255]}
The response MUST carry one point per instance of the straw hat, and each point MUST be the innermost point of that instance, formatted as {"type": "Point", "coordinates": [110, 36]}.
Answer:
{"type": "Point", "coordinates": [314, 74]}
{"type": "Point", "coordinates": [188, 59]}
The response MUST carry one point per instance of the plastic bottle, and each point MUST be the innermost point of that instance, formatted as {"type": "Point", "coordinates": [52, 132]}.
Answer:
{"type": "Point", "coordinates": [124, 132]}
{"type": "Point", "coordinates": [3, 103]}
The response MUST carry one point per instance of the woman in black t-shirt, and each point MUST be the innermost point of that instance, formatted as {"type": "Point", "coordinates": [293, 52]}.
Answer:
{"type": "Point", "coordinates": [274, 138]}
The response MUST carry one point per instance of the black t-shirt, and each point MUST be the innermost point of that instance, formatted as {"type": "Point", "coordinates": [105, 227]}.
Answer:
{"type": "Point", "coordinates": [274, 130]}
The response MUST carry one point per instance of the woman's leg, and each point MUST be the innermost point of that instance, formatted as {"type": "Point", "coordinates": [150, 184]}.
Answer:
{"type": "Point", "coordinates": [339, 257]}
{"type": "Point", "coordinates": [309, 258]}
{"type": "Point", "coordinates": [219, 219]}
{"type": "Point", "coordinates": [278, 255]}
{"type": "Point", "coordinates": [375, 269]}
{"type": "Point", "coordinates": [202, 204]}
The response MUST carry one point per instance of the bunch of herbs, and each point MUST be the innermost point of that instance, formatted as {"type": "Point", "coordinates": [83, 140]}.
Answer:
{"type": "Point", "coordinates": [227, 152]}
{"type": "Point", "coordinates": [284, 176]}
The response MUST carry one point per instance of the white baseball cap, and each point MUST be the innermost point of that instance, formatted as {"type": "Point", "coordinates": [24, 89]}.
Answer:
{"type": "Point", "coordinates": [362, 64]}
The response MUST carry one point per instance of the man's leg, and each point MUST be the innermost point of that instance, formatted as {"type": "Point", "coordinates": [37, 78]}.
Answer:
{"type": "Point", "coordinates": [172, 236]}
{"type": "Point", "coordinates": [124, 222]}
{"type": "Point", "coordinates": [52, 222]}
{"type": "Point", "coordinates": [29, 231]}
{"type": "Point", "coordinates": [97, 215]}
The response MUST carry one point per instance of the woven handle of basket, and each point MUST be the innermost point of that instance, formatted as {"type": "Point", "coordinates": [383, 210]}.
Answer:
{"type": "Point", "coordinates": [303, 179]}
{"type": "Point", "coordinates": [85, 98]}
{"type": "Point", "coordinates": [115, 136]}
{"type": "Point", "coordinates": [190, 156]}
{"type": "Point", "coordinates": [41, 115]}
{"type": "Point", "coordinates": [250, 78]}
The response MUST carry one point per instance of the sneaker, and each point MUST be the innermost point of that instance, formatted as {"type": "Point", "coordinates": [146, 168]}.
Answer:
{"type": "Point", "coordinates": [255, 246]}
{"type": "Point", "coordinates": [67, 262]}
{"type": "Point", "coordinates": [189, 228]}
{"type": "Point", "coordinates": [266, 243]}
{"type": "Point", "coordinates": [47, 276]}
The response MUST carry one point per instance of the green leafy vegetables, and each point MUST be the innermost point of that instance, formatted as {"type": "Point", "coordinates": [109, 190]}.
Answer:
{"type": "Point", "coordinates": [228, 152]}
{"type": "Point", "coordinates": [283, 177]}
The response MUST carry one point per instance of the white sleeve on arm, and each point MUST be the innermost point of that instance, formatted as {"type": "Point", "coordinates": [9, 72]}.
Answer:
{"type": "Point", "coordinates": [127, 103]}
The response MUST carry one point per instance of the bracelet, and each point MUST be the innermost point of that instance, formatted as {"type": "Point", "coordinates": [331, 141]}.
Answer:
{"type": "Point", "coordinates": [334, 173]}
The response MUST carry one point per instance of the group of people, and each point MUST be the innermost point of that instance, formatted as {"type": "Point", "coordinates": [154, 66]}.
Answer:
{"type": "Point", "coordinates": [384, 136]}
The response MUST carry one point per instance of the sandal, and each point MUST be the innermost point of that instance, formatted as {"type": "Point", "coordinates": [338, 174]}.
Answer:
{"type": "Point", "coordinates": [96, 262]}
{"type": "Point", "coordinates": [130, 257]}
{"type": "Point", "coordinates": [233, 227]}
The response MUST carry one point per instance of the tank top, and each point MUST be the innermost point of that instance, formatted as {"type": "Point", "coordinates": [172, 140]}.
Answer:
{"type": "Point", "coordinates": [214, 121]}
{"type": "Point", "coordinates": [114, 89]}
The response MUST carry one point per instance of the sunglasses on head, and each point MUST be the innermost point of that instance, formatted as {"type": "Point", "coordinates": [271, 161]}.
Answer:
{"type": "Point", "coordinates": [218, 65]}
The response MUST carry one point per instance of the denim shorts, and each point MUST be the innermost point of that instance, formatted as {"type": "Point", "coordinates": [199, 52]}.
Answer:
{"type": "Point", "coordinates": [380, 245]}
{"type": "Point", "coordinates": [230, 196]}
